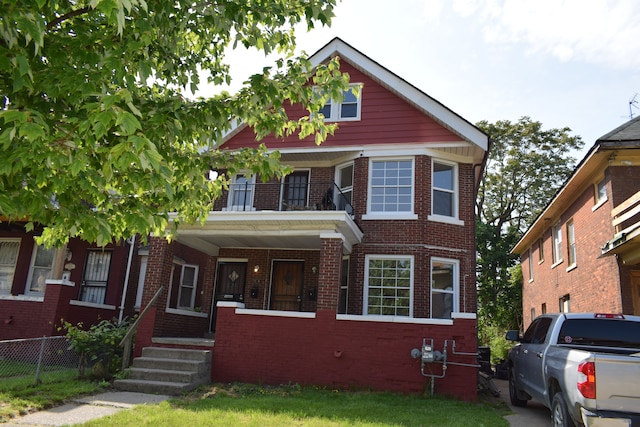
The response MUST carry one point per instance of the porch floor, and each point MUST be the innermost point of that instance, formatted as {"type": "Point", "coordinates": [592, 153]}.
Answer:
{"type": "Point", "coordinates": [199, 342]}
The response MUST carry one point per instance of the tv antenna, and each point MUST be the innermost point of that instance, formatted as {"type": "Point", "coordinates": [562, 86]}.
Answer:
{"type": "Point", "coordinates": [633, 103]}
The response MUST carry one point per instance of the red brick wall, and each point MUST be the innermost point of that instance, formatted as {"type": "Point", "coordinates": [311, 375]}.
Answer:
{"type": "Point", "coordinates": [340, 353]}
{"type": "Point", "coordinates": [595, 283]}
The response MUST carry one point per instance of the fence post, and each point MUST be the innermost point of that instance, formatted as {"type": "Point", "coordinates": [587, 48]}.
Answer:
{"type": "Point", "coordinates": [40, 359]}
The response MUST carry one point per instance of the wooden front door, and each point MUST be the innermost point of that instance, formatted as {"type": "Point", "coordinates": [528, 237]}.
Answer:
{"type": "Point", "coordinates": [286, 285]}
{"type": "Point", "coordinates": [230, 283]}
{"type": "Point", "coordinates": [635, 291]}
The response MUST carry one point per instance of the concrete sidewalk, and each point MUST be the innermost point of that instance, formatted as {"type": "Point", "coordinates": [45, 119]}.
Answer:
{"type": "Point", "coordinates": [85, 409]}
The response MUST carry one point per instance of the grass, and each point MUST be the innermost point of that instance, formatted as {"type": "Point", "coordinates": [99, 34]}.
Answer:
{"type": "Point", "coordinates": [251, 405]}
{"type": "Point", "coordinates": [21, 395]}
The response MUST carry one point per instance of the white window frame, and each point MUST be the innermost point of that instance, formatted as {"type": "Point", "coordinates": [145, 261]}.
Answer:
{"type": "Point", "coordinates": [336, 109]}
{"type": "Point", "coordinates": [454, 218]}
{"type": "Point", "coordinates": [368, 259]}
{"type": "Point", "coordinates": [454, 292]}
{"type": "Point", "coordinates": [10, 269]}
{"type": "Point", "coordinates": [382, 214]}
{"type": "Point", "coordinates": [530, 265]}
{"type": "Point", "coordinates": [344, 189]}
{"type": "Point", "coordinates": [600, 196]}
{"type": "Point", "coordinates": [33, 267]}
{"type": "Point", "coordinates": [571, 244]}
{"type": "Point", "coordinates": [556, 248]}
{"type": "Point", "coordinates": [540, 251]}
{"type": "Point", "coordinates": [233, 191]}
{"type": "Point", "coordinates": [193, 286]}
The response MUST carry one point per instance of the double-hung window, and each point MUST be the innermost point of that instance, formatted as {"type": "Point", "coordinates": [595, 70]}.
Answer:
{"type": "Point", "coordinates": [444, 186]}
{"type": "Point", "coordinates": [444, 287]}
{"type": "Point", "coordinates": [183, 285]}
{"type": "Point", "coordinates": [9, 249]}
{"type": "Point", "coordinates": [241, 193]}
{"type": "Point", "coordinates": [344, 188]}
{"type": "Point", "coordinates": [41, 268]}
{"type": "Point", "coordinates": [348, 109]}
{"type": "Point", "coordinates": [391, 186]}
{"type": "Point", "coordinates": [556, 249]}
{"type": "Point", "coordinates": [389, 285]}
{"type": "Point", "coordinates": [571, 244]}
{"type": "Point", "coordinates": [600, 195]}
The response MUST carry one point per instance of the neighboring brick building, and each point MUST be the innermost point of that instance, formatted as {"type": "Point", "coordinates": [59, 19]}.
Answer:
{"type": "Point", "coordinates": [582, 252]}
{"type": "Point", "coordinates": [334, 274]}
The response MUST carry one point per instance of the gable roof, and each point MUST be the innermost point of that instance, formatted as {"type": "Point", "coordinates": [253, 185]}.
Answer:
{"type": "Point", "coordinates": [402, 88]}
{"type": "Point", "coordinates": [592, 165]}
{"type": "Point", "coordinates": [478, 142]}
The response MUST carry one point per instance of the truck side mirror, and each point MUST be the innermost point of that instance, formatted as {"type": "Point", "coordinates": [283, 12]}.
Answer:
{"type": "Point", "coordinates": [513, 336]}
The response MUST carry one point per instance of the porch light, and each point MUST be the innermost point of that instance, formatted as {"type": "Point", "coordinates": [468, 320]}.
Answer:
{"type": "Point", "coordinates": [256, 268]}
{"type": "Point", "coordinates": [314, 270]}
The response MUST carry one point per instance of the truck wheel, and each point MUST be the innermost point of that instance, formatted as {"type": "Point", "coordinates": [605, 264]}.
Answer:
{"type": "Point", "coordinates": [559, 414]}
{"type": "Point", "coordinates": [513, 391]}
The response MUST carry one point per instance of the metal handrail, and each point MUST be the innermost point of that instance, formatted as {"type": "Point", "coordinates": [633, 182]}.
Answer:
{"type": "Point", "coordinates": [128, 337]}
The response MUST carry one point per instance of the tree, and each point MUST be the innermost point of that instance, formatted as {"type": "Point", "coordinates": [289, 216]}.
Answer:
{"type": "Point", "coordinates": [525, 168]}
{"type": "Point", "coordinates": [97, 137]}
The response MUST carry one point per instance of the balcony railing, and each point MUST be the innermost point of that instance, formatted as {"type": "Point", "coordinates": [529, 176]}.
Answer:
{"type": "Point", "coordinates": [286, 196]}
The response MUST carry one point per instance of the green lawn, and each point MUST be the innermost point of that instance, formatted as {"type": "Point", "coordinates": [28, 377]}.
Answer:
{"type": "Point", "coordinates": [21, 395]}
{"type": "Point", "coordinates": [249, 405]}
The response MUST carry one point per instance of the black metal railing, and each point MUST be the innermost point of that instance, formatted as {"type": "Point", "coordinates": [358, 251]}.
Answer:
{"type": "Point", "coordinates": [286, 196]}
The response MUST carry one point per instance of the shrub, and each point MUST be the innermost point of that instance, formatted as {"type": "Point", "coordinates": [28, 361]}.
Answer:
{"type": "Point", "coordinates": [98, 347]}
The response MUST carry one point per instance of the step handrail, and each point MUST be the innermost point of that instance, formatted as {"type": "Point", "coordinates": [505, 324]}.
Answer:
{"type": "Point", "coordinates": [128, 337]}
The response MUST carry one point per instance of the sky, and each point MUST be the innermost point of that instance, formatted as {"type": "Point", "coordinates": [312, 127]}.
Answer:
{"type": "Point", "coordinates": [564, 63]}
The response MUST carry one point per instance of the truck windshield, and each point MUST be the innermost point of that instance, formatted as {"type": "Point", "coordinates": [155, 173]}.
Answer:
{"type": "Point", "coordinates": [600, 332]}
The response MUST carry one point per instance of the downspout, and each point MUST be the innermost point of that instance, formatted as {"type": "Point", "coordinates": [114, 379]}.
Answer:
{"type": "Point", "coordinates": [132, 242]}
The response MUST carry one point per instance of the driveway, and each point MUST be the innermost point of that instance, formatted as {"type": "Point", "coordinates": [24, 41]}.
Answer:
{"type": "Point", "coordinates": [533, 415]}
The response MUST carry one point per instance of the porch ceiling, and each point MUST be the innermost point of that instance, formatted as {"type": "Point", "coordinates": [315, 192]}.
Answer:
{"type": "Point", "coordinates": [269, 229]}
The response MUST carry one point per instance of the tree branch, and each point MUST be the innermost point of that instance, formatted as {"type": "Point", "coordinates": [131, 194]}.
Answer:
{"type": "Point", "coordinates": [68, 15]}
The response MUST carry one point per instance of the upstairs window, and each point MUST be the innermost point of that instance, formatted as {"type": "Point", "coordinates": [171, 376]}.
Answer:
{"type": "Point", "coordinates": [556, 235]}
{"type": "Point", "coordinates": [344, 188]}
{"type": "Point", "coordinates": [8, 259]}
{"type": "Point", "coordinates": [571, 243]}
{"type": "Point", "coordinates": [600, 192]}
{"type": "Point", "coordinates": [444, 200]}
{"type": "Point", "coordinates": [348, 109]}
{"type": "Point", "coordinates": [391, 186]}
{"type": "Point", "coordinates": [241, 193]}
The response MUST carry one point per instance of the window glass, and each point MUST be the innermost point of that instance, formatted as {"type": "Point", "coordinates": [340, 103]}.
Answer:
{"type": "Point", "coordinates": [444, 278]}
{"type": "Point", "coordinates": [601, 191]}
{"type": "Point", "coordinates": [241, 194]}
{"type": "Point", "coordinates": [8, 258]}
{"type": "Point", "coordinates": [443, 189]}
{"type": "Point", "coordinates": [348, 109]}
{"type": "Point", "coordinates": [389, 283]}
{"type": "Point", "coordinates": [344, 182]}
{"type": "Point", "coordinates": [188, 280]}
{"type": "Point", "coordinates": [42, 268]}
{"type": "Point", "coordinates": [392, 186]}
{"type": "Point", "coordinates": [557, 243]}
{"type": "Point", "coordinates": [95, 277]}
{"type": "Point", "coordinates": [571, 243]}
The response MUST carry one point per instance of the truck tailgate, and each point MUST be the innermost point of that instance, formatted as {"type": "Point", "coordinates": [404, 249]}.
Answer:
{"type": "Point", "coordinates": [617, 382]}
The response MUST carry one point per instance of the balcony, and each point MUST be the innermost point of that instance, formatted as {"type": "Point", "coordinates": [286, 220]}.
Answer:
{"type": "Point", "coordinates": [293, 195]}
{"type": "Point", "coordinates": [626, 241]}
{"type": "Point", "coordinates": [292, 215]}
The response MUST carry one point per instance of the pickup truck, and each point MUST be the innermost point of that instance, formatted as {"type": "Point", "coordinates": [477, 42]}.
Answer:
{"type": "Point", "coordinates": [585, 367]}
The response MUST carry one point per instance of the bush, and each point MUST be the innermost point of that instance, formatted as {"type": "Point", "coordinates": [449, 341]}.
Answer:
{"type": "Point", "coordinates": [493, 337]}
{"type": "Point", "coordinates": [98, 347]}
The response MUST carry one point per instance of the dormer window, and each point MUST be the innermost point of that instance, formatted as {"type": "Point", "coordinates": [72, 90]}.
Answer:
{"type": "Point", "coordinates": [348, 109]}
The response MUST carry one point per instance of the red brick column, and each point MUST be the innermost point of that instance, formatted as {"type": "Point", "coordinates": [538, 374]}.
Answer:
{"type": "Point", "coordinates": [329, 272]}
{"type": "Point", "coordinates": [158, 274]}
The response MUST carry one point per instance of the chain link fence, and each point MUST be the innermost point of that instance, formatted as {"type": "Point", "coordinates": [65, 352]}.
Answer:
{"type": "Point", "coordinates": [38, 358]}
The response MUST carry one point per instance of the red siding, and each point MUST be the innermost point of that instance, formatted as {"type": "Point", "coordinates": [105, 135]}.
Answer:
{"type": "Point", "coordinates": [385, 119]}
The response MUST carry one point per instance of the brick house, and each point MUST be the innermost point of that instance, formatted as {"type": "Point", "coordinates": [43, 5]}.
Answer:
{"type": "Point", "coordinates": [77, 283]}
{"type": "Point", "coordinates": [582, 252]}
{"type": "Point", "coordinates": [332, 275]}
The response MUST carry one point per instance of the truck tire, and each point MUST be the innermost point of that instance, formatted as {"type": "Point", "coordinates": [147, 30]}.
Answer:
{"type": "Point", "coordinates": [513, 391]}
{"type": "Point", "coordinates": [559, 413]}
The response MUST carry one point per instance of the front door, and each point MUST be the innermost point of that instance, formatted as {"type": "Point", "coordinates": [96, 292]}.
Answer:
{"type": "Point", "coordinates": [286, 285]}
{"type": "Point", "coordinates": [230, 283]}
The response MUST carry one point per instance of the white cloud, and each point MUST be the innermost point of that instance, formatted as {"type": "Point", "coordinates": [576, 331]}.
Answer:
{"type": "Point", "coordinates": [603, 32]}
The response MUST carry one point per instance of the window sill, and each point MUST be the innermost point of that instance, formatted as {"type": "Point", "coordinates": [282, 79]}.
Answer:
{"type": "Point", "coordinates": [92, 305]}
{"type": "Point", "coordinates": [389, 216]}
{"type": "Point", "coordinates": [556, 264]}
{"type": "Point", "coordinates": [445, 219]}
{"type": "Point", "coordinates": [572, 267]}
{"type": "Point", "coordinates": [183, 312]}
{"type": "Point", "coordinates": [22, 297]}
{"type": "Point", "coordinates": [597, 205]}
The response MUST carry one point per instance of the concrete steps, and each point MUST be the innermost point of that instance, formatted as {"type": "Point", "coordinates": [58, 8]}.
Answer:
{"type": "Point", "coordinates": [167, 371]}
